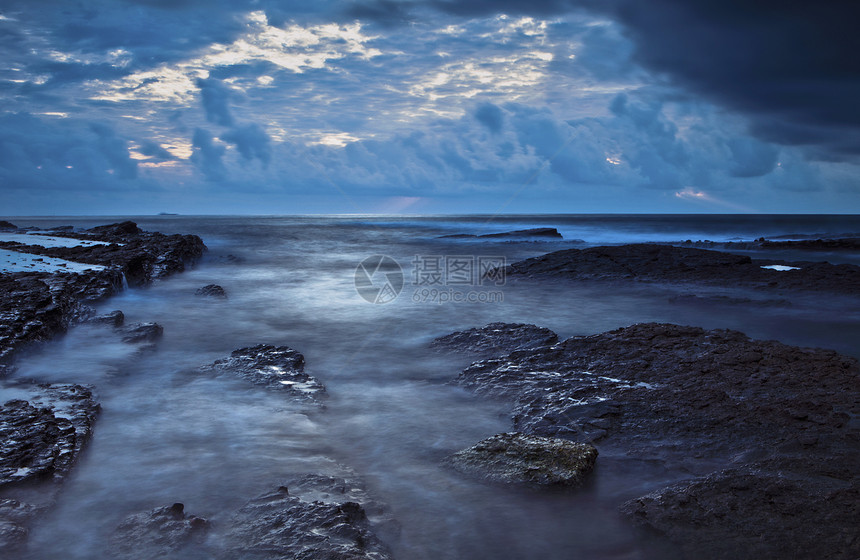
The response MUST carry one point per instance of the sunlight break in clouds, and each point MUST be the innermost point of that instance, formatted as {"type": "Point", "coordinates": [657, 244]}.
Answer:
{"type": "Point", "coordinates": [293, 48]}
{"type": "Point", "coordinates": [693, 195]}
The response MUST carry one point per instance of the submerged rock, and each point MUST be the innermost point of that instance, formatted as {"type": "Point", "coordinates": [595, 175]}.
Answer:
{"type": "Point", "coordinates": [496, 339]}
{"type": "Point", "coordinates": [165, 532]}
{"type": "Point", "coordinates": [15, 520]}
{"type": "Point", "coordinates": [278, 525]}
{"type": "Point", "coordinates": [681, 265]}
{"type": "Point", "coordinates": [43, 432]}
{"type": "Point", "coordinates": [521, 459]}
{"type": "Point", "coordinates": [277, 367]}
{"type": "Point", "coordinates": [211, 290]}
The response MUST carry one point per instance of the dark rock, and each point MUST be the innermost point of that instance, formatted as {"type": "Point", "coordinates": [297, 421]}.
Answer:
{"type": "Point", "coordinates": [278, 525]}
{"type": "Point", "coordinates": [814, 243]}
{"type": "Point", "coordinates": [698, 400]}
{"type": "Point", "coordinates": [544, 233]}
{"type": "Point", "coordinates": [141, 332]}
{"type": "Point", "coordinates": [140, 256]}
{"type": "Point", "coordinates": [115, 318]}
{"type": "Point", "coordinates": [685, 265]}
{"type": "Point", "coordinates": [275, 367]}
{"type": "Point", "coordinates": [121, 229]}
{"type": "Point", "coordinates": [496, 339]}
{"type": "Point", "coordinates": [37, 306]}
{"type": "Point", "coordinates": [165, 532]}
{"type": "Point", "coordinates": [41, 436]}
{"type": "Point", "coordinates": [520, 459]}
{"type": "Point", "coordinates": [211, 290]}
{"type": "Point", "coordinates": [15, 520]}
{"type": "Point", "coordinates": [757, 511]}
{"type": "Point", "coordinates": [7, 225]}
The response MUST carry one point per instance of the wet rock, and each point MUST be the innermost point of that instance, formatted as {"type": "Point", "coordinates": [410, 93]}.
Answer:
{"type": "Point", "coordinates": [211, 290]}
{"type": "Point", "coordinates": [141, 256]}
{"type": "Point", "coordinates": [115, 318]}
{"type": "Point", "coordinates": [685, 265]}
{"type": "Point", "coordinates": [15, 520]}
{"type": "Point", "coordinates": [764, 510]}
{"type": "Point", "coordinates": [37, 306]}
{"type": "Point", "coordinates": [496, 339]}
{"type": "Point", "coordinates": [4, 225]}
{"type": "Point", "coordinates": [278, 525]}
{"type": "Point", "coordinates": [540, 233]}
{"type": "Point", "coordinates": [276, 367]}
{"type": "Point", "coordinates": [43, 432]}
{"type": "Point", "coordinates": [699, 401]}
{"type": "Point", "coordinates": [520, 459]}
{"type": "Point", "coordinates": [850, 242]}
{"type": "Point", "coordinates": [165, 532]}
{"type": "Point", "coordinates": [141, 332]}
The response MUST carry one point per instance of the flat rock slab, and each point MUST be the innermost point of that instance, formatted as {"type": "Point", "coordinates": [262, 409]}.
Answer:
{"type": "Point", "coordinates": [278, 368]}
{"type": "Point", "coordinates": [684, 265]}
{"type": "Point", "coordinates": [699, 402]}
{"type": "Point", "coordinates": [43, 431]}
{"type": "Point", "coordinates": [539, 233]}
{"type": "Point", "coordinates": [278, 525]}
{"type": "Point", "coordinates": [520, 459]}
{"type": "Point", "coordinates": [496, 339]}
{"type": "Point", "coordinates": [165, 532]}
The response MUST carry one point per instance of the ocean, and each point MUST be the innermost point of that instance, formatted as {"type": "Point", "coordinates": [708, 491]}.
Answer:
{"type": "Point", "coordinates": [362, 297]}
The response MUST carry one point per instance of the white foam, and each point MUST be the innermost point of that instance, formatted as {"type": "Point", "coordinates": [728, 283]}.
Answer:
{"type": "Point", "coordinates": [12, 261]}
{"type": "Point", "coordinates": [49, 240]}
{"type": "Point", "coordinates": [780, 267]}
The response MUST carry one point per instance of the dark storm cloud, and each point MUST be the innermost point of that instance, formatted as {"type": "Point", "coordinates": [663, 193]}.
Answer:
{"type": "Point", "coordinates": [62, 153]}
{"type": "Point", "coordinates": [207, 155]}
{"type": "Point", "coordinates": [251, 141]}
{"type": "Point", "coordinates": [791, 67]}
{"type": "Point", "coordinates": [490, 116]}
{"type": "Point", "coordinates": [215, 97]}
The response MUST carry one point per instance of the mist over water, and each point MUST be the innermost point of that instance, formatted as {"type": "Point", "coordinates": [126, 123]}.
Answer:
{"type": "Point", "coordinates": [169, 435]}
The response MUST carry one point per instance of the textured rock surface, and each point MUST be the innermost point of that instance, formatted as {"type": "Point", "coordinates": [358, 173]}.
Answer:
{"type": "Point", "coordinates": [496, 339]}
{"type": "Point", "coordinates": [664, 263]}
{"type": "Point", "coordinates": [15, 519]}
{"type": "Point", "coordinates": [142, 256]}
{"type": "Point", "coordinates": [165, 532]}
{"type": "Point", "coordinates": [788, 508]}
{"type": "Point", "coordinates": [278, 525]}
{"type": "Point", "coordinates": [36, 306]}
{"type": "Point", "coordinates": [516, 458]}
{"type": "Point", "coordinates": [695, 401]}
{"type": "Point", "coordinates": [43, 432]}
{"type": "Point", "coordinates": [276, 367]}
{"type": "Point", "coordinates": [211, 290]}
{"type": "Point", "coordinates": [141, 332]}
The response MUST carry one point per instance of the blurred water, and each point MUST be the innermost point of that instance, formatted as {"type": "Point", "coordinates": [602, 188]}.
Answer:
{"type": "Point", "coordinates": [166, 436]}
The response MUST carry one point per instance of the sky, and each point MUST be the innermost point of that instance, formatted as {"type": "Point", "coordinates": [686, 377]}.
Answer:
{"type": "Point", "coordinates": [428, 106]}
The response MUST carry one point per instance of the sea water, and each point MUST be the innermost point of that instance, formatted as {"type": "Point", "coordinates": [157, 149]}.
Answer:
{"type": "Point", "coordinates": [168, 436]}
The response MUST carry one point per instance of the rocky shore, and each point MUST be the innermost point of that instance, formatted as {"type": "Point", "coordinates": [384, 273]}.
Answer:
{"type": "Point", "coordinates": [762, 438]}
{"type": "Point", "coordinates": [44, 428]}
{"type": "Point", "coordinates": [652, 263]}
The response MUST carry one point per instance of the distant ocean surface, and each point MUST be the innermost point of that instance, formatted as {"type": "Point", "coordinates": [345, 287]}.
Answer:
{"type": "Point", "coordinates": [393, 415]}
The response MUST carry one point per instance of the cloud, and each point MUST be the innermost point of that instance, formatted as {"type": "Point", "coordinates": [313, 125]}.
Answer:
{"type": "Point", "coordinates": [207, 155]}
{"type": "Point", "coordinates": [215, 98]}
{"type": "Point", "coordinates": [490, 116]}
{"type": "Point", "coordinates": [251, 142]}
